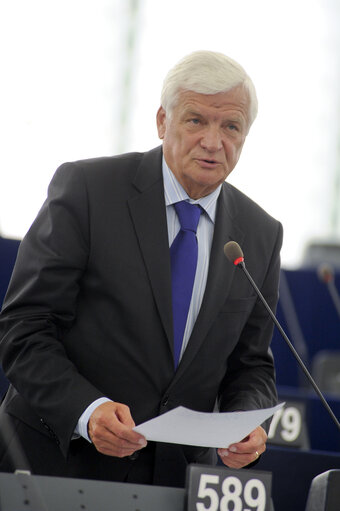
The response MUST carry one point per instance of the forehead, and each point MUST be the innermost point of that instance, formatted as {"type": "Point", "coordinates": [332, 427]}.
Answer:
{"type": "Point", "coordinates": [236, 100]}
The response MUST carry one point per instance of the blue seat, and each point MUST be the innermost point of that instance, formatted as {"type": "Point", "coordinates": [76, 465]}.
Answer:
{"type": "Point", "coordinates": [318, 321]}
{"type": "Point", "coordinates": [8, 253]}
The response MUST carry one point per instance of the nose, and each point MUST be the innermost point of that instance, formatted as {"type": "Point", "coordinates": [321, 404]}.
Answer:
{"type": "Point", "coordinates": [211, 139]}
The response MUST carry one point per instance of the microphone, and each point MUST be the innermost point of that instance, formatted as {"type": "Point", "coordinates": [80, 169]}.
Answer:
{"type": "Point", "coordinates": [326, 275]}
{"type": "Point", "coordinates": [233, 252]}
{"type": "Point", "coordinates": [32, 492]}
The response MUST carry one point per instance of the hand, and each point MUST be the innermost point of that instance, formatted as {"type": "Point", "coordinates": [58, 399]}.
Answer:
{"type": "Point", "coordinates": [110, 429]}
{"type": "Point", "coordinates": [248, 450]}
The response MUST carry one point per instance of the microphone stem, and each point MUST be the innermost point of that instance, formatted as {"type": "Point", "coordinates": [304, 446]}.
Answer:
{"type": "Point", "coordinates": [290, 345]}
{"type": "Point", "coordinates": [334, 294]}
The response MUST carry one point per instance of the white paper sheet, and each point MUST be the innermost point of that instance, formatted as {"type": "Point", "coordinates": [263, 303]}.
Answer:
{"type": "Point", "coordinates": [188, 427]}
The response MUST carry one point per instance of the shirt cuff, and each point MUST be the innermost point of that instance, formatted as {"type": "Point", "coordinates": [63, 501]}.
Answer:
{"type": "Point", "coordinates": [81, 428]}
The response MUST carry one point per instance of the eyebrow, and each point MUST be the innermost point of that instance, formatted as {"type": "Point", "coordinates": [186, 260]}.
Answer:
{"type": "Point", "coordinates": [236, 117]}
{"type": "Point", "coordinates": [193, 112]}
{"type": "Point", "coordinates": [233, 119]}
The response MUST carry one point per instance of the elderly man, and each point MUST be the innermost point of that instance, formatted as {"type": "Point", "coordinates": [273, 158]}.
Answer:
{"type": "Point", "coordinates": [122, 305]}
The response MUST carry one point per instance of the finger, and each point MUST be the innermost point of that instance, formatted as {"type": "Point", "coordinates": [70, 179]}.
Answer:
{"type": "Point", "coordinates": [119, 440]}
{"type": "Point", "coordinates": [114, 418]}
{"type": "Point", "coordinates": [110, 443]}
{"type": "Point", "coordinates": [114, 448]}
{"type": "Point", "coordinates": [121, 426]}
{"type": "Point", "coordinates": [123, 414]}
{"type": "Point", "coordinates": [233, 460]}
{"type": "Point", "coordinates": [110, 429]}
{"type": "Point", "coordinates": [255, 441]}
{"type": "Point", "coordinates": [234, 451]}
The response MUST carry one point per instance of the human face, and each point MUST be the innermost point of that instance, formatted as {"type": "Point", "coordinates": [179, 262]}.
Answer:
{"type": "Point", "coordinates": [203, 137]}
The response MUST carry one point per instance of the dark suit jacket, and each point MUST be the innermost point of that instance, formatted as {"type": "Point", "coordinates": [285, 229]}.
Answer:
{"type": "Point", "coordinates": [88, 310]}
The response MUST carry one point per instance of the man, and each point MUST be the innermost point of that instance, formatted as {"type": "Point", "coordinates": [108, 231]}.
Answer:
{"type": "Point", "coordinates": [89, 321]}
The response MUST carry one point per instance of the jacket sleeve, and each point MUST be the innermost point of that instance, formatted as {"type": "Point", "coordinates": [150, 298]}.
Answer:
{"type": "Point", "coordinates": [40, 306]}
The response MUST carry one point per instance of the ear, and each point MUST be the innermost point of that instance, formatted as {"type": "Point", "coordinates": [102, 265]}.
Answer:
{"type": "Point", "coordinates": [161, 122]}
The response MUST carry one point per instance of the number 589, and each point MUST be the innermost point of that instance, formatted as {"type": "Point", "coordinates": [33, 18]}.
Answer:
{"type": "Point", "coordinates": [253, 494]}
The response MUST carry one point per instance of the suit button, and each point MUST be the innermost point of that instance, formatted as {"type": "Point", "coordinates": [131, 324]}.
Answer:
{"type": "Point", "coordinates": [46, 426]}
{"type": "Point", "coordinates": [134, 456]}
{"type": "Point", "coordinates": [165, 400]}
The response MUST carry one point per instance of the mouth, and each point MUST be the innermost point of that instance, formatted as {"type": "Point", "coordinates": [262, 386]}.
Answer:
{"type": "Point", "coordinates": [207, 162]}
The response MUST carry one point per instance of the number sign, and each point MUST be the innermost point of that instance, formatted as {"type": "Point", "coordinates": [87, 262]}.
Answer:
{"type": "Point", "coordinates": [288, 426]}
{"type": "Point", "coordinates": [222, 489]}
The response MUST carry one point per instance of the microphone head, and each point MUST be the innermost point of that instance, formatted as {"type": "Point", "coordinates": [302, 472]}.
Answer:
{"type": "Point", "coordinates": [233, 252]}
{"type": "Point", "coordinates": [325, 273]}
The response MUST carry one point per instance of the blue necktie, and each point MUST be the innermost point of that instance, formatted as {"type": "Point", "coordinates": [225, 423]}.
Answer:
{"type": "Point", "coordinates": [183, 255]}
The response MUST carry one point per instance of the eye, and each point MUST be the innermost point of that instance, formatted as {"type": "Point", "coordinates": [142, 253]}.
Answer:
{"type": "Point", "coordinates": [194, 121]}
{"type": "Point", "coordinates": [229, 126]}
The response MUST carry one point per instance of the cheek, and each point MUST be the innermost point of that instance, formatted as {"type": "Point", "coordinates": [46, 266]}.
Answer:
{"type": "Point", "coordinates": [184, 148]}
{"type": "Point", "coordinates": [233, 150]}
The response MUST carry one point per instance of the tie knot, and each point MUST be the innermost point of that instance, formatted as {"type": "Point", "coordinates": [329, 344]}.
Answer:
{"type": "Point", "coordinates": [188, 215]}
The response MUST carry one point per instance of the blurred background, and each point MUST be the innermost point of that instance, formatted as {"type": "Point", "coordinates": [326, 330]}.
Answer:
{"type": "Point", "coordinates": [82, 78]}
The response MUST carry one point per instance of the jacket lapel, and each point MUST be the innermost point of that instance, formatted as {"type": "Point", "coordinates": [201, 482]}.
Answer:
{"type": "Point", "coordinates": [148, 215]}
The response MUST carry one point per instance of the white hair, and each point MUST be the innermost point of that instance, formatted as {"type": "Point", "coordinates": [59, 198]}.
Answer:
{"type": "Point", "coordinates": [206, 72]}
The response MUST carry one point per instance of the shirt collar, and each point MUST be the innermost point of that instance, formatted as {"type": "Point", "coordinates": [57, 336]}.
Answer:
{"type": "Point", "coordinates": [174, 192]}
